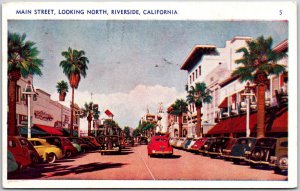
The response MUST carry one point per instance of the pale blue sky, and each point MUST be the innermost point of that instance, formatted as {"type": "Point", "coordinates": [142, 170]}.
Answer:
{"type": "Point", "coordinates": [123, 54]}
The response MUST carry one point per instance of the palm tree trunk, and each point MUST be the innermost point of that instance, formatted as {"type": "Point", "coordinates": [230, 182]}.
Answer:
{"type": "Point", "coordinates": [12, 108]}
{"type": "Point", "coordinates": [89, 127]}
{"type": "Point", "coordinates": [199, 131]}
{"type": "Point", "coordinates": [72, 113]}
{"type": "Point", "coordinates": [180, 125]}
{"type": "Point", "coordinates": [261, 111]}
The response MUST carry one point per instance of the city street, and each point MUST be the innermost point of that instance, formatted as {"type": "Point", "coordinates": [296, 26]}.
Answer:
{"type": "Point", "coordinates": [134, 164]}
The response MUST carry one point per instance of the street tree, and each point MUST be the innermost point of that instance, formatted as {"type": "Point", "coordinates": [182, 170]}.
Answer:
{"type": "Point", "coordinates": [74, 66]}
{"type": "Point", "coordinates": [90, 111]}
{"type": "Point", "coordinates": [198, 95]}
{"type": "Point", "coordinates": [62, 88]}
{"type": "Point", "coordinates": [179, 107]}
{"type": "Point", "coordinates": [257, 63]}
{"type": "Point", "coordinates": [22, 60]}
{"type": "Point", "coordinates": [127, 131]}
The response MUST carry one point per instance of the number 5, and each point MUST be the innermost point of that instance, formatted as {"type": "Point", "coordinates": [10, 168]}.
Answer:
{"type": "Point", "coordinates": [280, 12]}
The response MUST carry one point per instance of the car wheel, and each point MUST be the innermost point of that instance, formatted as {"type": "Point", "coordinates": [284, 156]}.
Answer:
{"type": "Point", "coordinates": [236, 161]}
{"type": "Point", "coordinates": [51, 158]}
{"type": "Point", "coordinates": [68, 154]}
{"type": "Point", "coordinates": [277, 170]}
{"type": "Point", "coordinates": [83, 150]}
{"type": "Point", "coordinates": [253, 165]}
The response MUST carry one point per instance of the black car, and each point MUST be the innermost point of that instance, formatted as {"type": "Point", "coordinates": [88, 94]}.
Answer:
{"type": "Point", "coordinates": [208, 143]}
{"type": "Point", "coordinates": [217, 147]}
{"type": "Point", "coordinates": [143, 141]}
{"type": "Point", "coordinates": [240, 149]}
{"type": "Point", "coordinates": [111, 144]}
{"type": "Point", "coordinates": [262, 151]}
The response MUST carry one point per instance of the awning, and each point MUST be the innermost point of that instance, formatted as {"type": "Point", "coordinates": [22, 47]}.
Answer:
{"type": "Point", "coordinates": [23, 131]}
{"type": "Point", "coordinates": [224, 103]}
{"type": "Point", "coordinates": [275, 122]}
{"type": "Point", "coordinates": [49, 130]}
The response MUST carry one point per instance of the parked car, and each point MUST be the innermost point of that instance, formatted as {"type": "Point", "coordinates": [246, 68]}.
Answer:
{"type": "Point", "coordinates": [191, 144]}
{"type": "Point", "coordinates": [92, 140]}
{"type": "Point", "coordinates": [34, 155]}
{"type": "Point", "coordinates": [100, 139]}
{"type": "Point", "coordinates": [173, 141]}
{"type": "Point", "coordinates": [143, 141]}
{"type": "Point", "coordinates": [217, 147]}
{"type": "Point", "coordinates": [198, 144]}
{"type": "Point", "coordinates": [49, 153]}
{"type": "Point", "coordinates": [12, 164]}
{"type": "Point", "coordinates": [89, 143]}
{"type": "Point", "coordinates": [84, 146]}
{"type": "Point", "coordinates": [111, 145]}
{"type": "Point", "coordinates": [268, 147]}
{"type": "Point", "coordinates": [240, 149]}
{"type": "Point", "coordinates": [186, 143]}
{"type": "Point", "coordinates": [64, 144]}
{"type": "Point", "coordinates": [159, 145]}
{"type": "Point", "coordinates": [205, 147]}
{"type": "Point", "coordinates": [179, 142]}
{"type": "Point", "coordinates": [227, 149]}
{"type": "Point", "coordinates": [77, 146]}
{"type": "Point", "coordinates": [20, 151]}
{"type": "Point", "coordinates": [280, 159]}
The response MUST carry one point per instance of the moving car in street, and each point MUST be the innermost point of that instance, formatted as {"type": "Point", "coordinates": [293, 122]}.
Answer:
{"type": "Point", "coordinates": [111, 145]}
{"type": "Point", "coordinates": [240, 149]}
{"type": "Point", "coordinates": [20, 151]}
{"type": "Point", "coordinates": [159, 145]}
{"type": "Point", "coordinates": [143, 141]}
{"type": "Point", "coordinates": [49, 153]}
{"type": "Point", "coordinates": [268, 151]}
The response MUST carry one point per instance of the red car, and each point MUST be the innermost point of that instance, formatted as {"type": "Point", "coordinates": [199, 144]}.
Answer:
{"type": "Point", "coordinates": [198, 144]}
{"type": "Point", "coordinates": [19, 150]}
{"type": "Point", "coordinates": [64, 144]}
{"type": "Point", "coordinates": [92, 140]}
{"type": "Point", "coordinates": [159, 145]}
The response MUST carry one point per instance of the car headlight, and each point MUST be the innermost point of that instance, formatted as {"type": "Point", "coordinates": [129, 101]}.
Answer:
{"type": "Point", "coordinates": [248, 152]}
{"type": "Point", "coordinates": [114, 144]}
{"type": "Point", "coordinates": [153, 151]}
{"type": "Point", "coordinates": [205, 146]}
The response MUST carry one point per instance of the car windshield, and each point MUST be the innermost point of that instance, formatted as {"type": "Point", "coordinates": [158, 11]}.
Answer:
{"type": "Point", "coordinates": [161, 140]}
{"type": "Point", "coordinates": [266, 142]}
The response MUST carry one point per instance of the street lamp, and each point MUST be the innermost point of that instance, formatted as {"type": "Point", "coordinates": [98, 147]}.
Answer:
{"type": "Point", "coordinates": [247, 93]}
{"type": "Point", "coordinates": [29, 90]}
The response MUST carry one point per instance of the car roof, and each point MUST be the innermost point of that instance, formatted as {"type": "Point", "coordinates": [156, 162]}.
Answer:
{"type": "Point", "coordinates": [37, 139]}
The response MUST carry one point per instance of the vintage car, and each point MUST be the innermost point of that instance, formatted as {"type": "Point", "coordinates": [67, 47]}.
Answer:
{"type": "Point", "coordinates": [186, 143]}
{"type": "Point", "coordinates": [84, 146]}
{"type": "Point", "coordinates": [205, 147]}
{"type": "Point", "coordinates": [280, 158]}
{"type": "Point", "coordinates": [216, 148]}
{"type": "Point", "coordinates": [159, 145]}
{"type": "Point", "coordinates": [264, 149]}
{"type": "Point", "coordinates": [189, 146]}
{"type": "Point", "coordinates": [100, 139]}
{"type": "Point", "coordinates": [129, 141]}
{"type": "Point", "coordinates": [64, 144]}
{"type": "Point", "coordinates": [92, 140]}
{"type": "Point", "coordinates": [198, 144]}
{"type": "Point", "coordinates": [122, 142]}
{"type": "Point", "coordinates": [143, 141]}
{"type": "Point", "coordinates": [34, 155]}
{"type": "Point", "coordinates": [111, 145]}
{"type": "Point", "coordinates": [227, 149]}
{"type": "Point", "coordinates": [241, 148]}
{"type": "Point", "coordinates": [49, 153]}
{"type": "Point", "coordinates": [180, 142]}
{"type": "Point", "coordinates": [77, 146]}
{"type": "Point", "coordinates": [12, 164]}
{"type": "Point", "coordinates": [20, 151]}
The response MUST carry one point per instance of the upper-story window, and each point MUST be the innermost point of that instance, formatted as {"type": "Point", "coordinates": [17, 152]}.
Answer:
{"type": "Point", "coordinates": [190, 79]}
{"type": "Point", "coordinates": [199, 70]}
{"type": "Point", "coordinates": [196, 73]}
{"type": "Point", "coordinates": [193, 76]}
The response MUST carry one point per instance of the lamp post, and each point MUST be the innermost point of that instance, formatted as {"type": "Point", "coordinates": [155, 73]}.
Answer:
{"type": "Point", "coordinates": [29, 90]}
{"type": "Point", "coordinates": [247, 93]}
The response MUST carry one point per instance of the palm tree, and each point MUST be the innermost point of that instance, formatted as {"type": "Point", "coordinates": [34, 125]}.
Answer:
{"type": "Point", "coordinates": [62, 88]}
{"type": "Point", "coordinates": [178, 108]}
{"type": "Point", "coordinates": [22, 60]}
{"type": "Point", "coordinates": [74, 66]}
{"type": "Point", "coordinates": [258, 62]}
{"type": "Point", "coordinates": [90, 111]}
{"type": "Point", "coordinates": [198, 95]}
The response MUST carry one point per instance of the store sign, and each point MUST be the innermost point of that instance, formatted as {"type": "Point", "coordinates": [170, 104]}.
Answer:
{"type": "Point", "coordinates": [43, 116]}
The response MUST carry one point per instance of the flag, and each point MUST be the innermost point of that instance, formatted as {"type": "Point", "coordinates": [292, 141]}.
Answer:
{"type": "Point", "coordinates": [109, 113]}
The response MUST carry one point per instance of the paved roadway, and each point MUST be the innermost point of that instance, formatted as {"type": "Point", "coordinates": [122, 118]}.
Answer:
{"type": "Point", "coordinates": [134, 164]}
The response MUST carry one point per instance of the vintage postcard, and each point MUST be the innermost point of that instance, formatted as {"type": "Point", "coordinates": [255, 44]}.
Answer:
{"type": "Point", "coordinates": [149, 94]}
